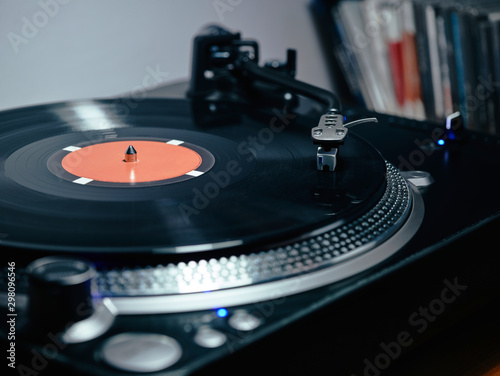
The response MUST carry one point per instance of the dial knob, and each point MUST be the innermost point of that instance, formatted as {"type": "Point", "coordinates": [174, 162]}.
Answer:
{"type": "Point", "coordinates": [60, 292]}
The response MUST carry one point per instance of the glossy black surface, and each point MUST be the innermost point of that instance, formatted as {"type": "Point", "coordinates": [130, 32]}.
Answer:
{"type": "Point", "coordinates": [466, 173]}
{"type": "Point", "coordinates": [352, 327]}
{"type": "Point", "coordinates": [341, 328]}
{"type": "Point", "coordinates": [263, 188]}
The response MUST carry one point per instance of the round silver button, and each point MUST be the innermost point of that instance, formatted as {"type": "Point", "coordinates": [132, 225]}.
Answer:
{"type": "Point", "coordinates": [244, 321]}
{"type": "Point", "coordinates": [209, 338]}
{"type": "Point", "coordinates": [418, 178]}
{"type": "Point", "coordinates": [141, 352]}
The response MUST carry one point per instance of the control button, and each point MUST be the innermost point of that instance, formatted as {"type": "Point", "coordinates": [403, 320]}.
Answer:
{"type": "Point", "coordinates": [209, 338]}
{"type": "Point", "coordinates": [60, 291]}
{"type": "Point", "coordinates": [141, 352]}
{"type": "Point", "coordinates": [244, 321]}
{"type": "Point", "coordinates": [418, 178]}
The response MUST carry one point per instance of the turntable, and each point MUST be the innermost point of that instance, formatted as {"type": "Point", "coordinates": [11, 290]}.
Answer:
{"type": "Point", "coordinates": [219, 230]}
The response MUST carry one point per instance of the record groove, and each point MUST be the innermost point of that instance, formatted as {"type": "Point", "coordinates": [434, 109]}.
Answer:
{"type": "Point", "coordinates": [258, 190]}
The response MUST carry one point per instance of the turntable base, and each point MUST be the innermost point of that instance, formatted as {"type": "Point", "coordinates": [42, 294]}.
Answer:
{"type": "Point", "coordinates": [199, 235]}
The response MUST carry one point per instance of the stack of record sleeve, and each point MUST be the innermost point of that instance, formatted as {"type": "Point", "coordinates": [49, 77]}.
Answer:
{"type": "Point", "coordinates": [421, 59]}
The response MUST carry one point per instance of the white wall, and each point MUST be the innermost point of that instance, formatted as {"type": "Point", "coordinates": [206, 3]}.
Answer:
{"type": "Point", "coordinates": [57, 50]}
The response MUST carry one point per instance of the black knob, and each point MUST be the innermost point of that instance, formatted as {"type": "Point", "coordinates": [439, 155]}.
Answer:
{"type": "Point", "coordinates": [60, 292]}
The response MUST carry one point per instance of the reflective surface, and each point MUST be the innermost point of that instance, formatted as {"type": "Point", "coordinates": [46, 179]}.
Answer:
{"type": "Point", "coordinates": [263, 187]}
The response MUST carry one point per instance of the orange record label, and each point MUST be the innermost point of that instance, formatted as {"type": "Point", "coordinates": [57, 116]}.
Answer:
{"type": "Point", "coordinates": [155, 161]}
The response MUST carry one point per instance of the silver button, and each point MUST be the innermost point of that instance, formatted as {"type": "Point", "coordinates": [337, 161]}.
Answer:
{"type": "Point", "coordinates": [141, 352]}
{"type": "Point", "coordinates": [209, 338]}
{"type": "Point", "coordinates": [244, 321]}
{"type": "Point", "coordinates": [418, 178]}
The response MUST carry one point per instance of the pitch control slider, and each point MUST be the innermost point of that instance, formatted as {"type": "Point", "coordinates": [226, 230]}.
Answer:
{"type": "Point", "coordinates": [329, 134]}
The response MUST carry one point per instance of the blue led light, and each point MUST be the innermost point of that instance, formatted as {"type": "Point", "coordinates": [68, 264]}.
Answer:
{"type": "Point", "coordinates": [221, 312]}
{"type": "Point", "coordinates": [440, 142]}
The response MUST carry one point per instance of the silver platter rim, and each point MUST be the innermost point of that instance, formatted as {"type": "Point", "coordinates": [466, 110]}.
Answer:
{"type": "Point", "coordinates": [346, 266]}
{"type": "Point", "coordinates": [272, 290]}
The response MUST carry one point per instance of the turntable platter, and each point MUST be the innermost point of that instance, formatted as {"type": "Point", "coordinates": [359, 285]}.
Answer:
{"type": "Point", "coordinates": [67, 187]}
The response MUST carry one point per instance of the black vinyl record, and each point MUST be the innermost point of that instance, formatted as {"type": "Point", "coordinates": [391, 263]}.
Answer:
{"type": "Point", "coordinates": [250, 182]}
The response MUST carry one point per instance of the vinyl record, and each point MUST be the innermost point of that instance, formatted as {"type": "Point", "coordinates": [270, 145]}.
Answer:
{"type": "Point", "coordinates": [88, 176]}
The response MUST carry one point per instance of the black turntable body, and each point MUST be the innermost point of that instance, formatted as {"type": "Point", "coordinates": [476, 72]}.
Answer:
{"type": "Point", "coordinates": [246, 228]}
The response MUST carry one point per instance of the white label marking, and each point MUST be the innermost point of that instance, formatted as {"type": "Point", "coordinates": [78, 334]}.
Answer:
{"type": "Point", "coordinates": [72, 148]}
{"type": "Point", "coordinates": [194, 173]}
{"type": "Point", "coordinates": [82, 181]}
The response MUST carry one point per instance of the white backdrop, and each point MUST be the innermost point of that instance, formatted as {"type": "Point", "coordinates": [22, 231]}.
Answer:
{"type": "Point", "coordinates": [58, 50]}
